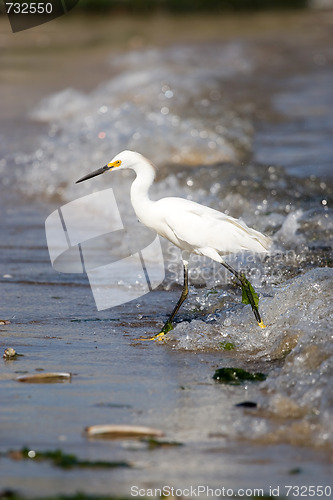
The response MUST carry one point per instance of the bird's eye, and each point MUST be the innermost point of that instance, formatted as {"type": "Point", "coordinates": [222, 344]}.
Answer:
{"type": "Point", "coordinates": [117, 163]}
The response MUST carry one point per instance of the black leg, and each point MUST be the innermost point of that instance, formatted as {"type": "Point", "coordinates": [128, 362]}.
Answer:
{"type": "Point", "coordinates": [245, 284]}
{"type": "Point", "coordinates": [168, 324]}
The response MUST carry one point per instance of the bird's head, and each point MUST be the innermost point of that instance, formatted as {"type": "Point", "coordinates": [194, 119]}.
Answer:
{"type": "Point", "coordinates": [125, 159]}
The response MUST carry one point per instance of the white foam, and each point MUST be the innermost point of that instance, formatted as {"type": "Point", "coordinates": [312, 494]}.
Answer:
{"type": "Point", "coordinates": [166, 103]}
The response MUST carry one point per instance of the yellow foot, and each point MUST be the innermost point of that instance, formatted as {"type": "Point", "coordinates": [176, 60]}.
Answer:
{"type": "Point", "coordinates": [261, 324]}
{"type": "Point", "coordinates": [158, 336]}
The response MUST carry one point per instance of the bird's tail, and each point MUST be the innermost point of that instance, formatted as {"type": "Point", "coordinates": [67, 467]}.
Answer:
{"type": "Point", "coordinates": [260, 242]}
{"type": "Point", "coordinates": [264, 241]}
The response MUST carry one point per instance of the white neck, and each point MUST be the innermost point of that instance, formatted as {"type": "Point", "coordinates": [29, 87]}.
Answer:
{"type": "Point", "coordinates": [145, 175]}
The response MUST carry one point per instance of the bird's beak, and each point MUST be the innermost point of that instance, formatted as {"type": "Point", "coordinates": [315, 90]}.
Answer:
{"type": "Point", "coordinates": [99, 171]}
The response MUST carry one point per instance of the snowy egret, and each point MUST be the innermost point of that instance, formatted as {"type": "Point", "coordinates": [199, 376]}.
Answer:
{"type": "Point", "coordinates": [192, 227]}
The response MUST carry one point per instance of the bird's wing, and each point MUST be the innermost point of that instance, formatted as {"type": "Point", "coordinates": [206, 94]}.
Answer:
{"type": "Point", "coordinates": [196, 227]}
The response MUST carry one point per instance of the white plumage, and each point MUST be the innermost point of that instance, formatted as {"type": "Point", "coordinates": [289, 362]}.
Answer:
{"type": "Point", "coordinates": [205, 231]}
{"type": "Point", "coordinates": [192, 227]}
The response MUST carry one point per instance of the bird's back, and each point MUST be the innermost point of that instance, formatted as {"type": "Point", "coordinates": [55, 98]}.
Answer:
{"type": "Point", "coordinates": [200, 229]}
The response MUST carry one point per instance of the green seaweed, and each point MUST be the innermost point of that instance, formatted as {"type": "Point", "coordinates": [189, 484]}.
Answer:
{"type": "Point", "coordinates": [12, 495]}
{"type": "Point", "coordinates": [153, 443]}
{"type": "Point", "coordinates": [295, 470]}
{"type": "Point", "coordinates": [247, 289]}
{"type": "Point", "coordinates": [236, 376]}
{"type": "Point", "coordinates": [226, 346]}
{"type": "Point", "coordinates": [64, 460]}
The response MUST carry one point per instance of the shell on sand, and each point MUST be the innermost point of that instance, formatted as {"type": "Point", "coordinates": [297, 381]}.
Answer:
{"type": "Point", "coordinates": [122, 431]}
{"type": "Point", "coordinates": [45, 378]}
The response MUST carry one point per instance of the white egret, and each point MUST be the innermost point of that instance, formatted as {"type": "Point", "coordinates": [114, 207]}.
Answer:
{"type": "Point", "coordinates": [192, 227]}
